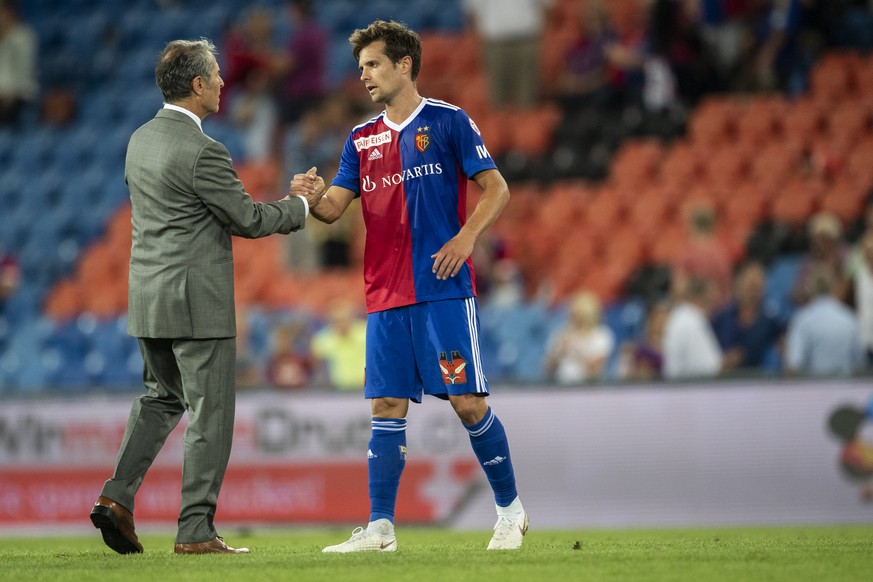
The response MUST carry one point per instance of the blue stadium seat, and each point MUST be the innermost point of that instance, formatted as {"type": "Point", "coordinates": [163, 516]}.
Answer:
{"type": "Point", "coordinates": [32, 152]}
{"type": "Point", "coordinates": [520, 336]}
{"type": "Point", "coordinates": [23, 370]}
{"type": "Point", "coordinates": [627, 321]}
{"type": "Point", "coordinates": [74, 149]}
{"type": "Point", "coordinates": [780, 282]}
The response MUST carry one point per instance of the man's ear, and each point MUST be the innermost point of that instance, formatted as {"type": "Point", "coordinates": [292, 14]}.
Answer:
{"type": "Point", "coordinates": [197, 85]}
{"type": "Point", "coordinates": [406, 64]}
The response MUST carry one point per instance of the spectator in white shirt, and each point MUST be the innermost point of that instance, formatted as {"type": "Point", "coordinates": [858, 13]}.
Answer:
{"type": "Point", "coordinates": [691, 349]}
{"type": "Point", "coordinates": [863, 279]}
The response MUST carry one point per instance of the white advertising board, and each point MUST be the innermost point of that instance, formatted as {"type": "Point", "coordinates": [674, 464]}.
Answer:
{"type": "Point", "coordinates": [643, 456]}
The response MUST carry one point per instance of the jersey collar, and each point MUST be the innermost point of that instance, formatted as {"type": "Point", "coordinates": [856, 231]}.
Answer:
{"type": "Point", "coordinates": [397, 127]}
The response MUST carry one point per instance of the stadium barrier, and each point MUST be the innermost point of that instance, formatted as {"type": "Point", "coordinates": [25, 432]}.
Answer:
{"type": "Point", "coordinates": [631, 456]}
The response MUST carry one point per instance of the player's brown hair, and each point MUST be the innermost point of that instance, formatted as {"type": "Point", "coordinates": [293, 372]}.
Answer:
{"type": "Point", "coordinates": [400, 41]}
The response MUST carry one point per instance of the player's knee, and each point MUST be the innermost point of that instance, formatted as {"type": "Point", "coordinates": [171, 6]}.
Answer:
{"type": "Point", "coordinates": [469, 408]}
{"type": "Point", "coordinates": [389, 407]}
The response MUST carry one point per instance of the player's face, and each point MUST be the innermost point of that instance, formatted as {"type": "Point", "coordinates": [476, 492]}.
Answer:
{"type": "Point", "coordinates": [382, 78]}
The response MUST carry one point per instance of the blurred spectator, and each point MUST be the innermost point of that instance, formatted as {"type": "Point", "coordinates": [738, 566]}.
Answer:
{"type": "Point", "coordinates": [646, 74]}
{"type": "Point", "coordinates": [249, 373]}
{"type": "Point", "coordinates": [18, 75]}
{"type": "Point", "coordinates": [823, 335]}
{"type": "Point", "coordinates": [826, 248]}
{"type": "Point", "coordinates": [691, 349]}
{"type": "Point", "coordinates": [339, 347]}
{"type": "Point", "coordinates": [304, 65]}
{"type": "Point", "coordinates": [675, 37]}
{"type": "Point", "coordinates": [499, 280]}
{"type": "Point", "coordinates": [771, 53]}
{"type": "Point", "coordinates": [863, 289]}
{"type": "Point", "coordinates": [723, 28]}
{"type": "Point", "coordinates": [747, 332]}
{"type": "Point", "coordinates": [585, 79]}
{"type": "Point", "coordinates": [505, 288]}
{"type": "Point", "coordinates": [644, 359]}
{"type": "Point", "coordinates": [578, 351]}
{"type": "Point", "coordinates": [704, 256]}
{"type": "Point", "coordinates": [290, 364]}
{"type": "Point", "coordinates": [317, 140]}
{"type": "Point", "coordinates": [249, 78]}
{"type": "Point", "coordinates": [856, 232]}
{"type": "Point", "coordinates": [10, 276]}
{"type": "Point", "coordinates": [511, 32]}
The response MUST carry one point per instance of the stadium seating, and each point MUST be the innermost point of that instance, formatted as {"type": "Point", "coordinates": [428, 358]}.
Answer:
{"type": "Point", "coordinates": [754, 159]}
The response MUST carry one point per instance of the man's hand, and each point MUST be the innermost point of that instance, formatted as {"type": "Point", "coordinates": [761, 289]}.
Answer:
{"type": "Point", "coordinates": [452, 256]}
{"type": "Point", "coordinates": [309, 185]}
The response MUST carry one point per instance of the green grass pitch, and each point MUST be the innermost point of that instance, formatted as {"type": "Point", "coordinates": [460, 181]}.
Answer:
{"type": "Point", "coordinates": [839, 553]}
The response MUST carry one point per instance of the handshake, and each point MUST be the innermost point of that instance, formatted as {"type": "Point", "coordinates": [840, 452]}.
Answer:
{"type": "Point", "coordinates": [309, 185]}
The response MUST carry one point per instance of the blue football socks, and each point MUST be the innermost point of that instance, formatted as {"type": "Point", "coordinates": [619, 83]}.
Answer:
{"type": "Point", "coordinates": [492, 449]}
{"type": "Point", "coordinates": [386, 458]}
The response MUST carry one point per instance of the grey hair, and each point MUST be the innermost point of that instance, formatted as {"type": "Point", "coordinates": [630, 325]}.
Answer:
{"type": "Point", "coordinates": [180, 63]}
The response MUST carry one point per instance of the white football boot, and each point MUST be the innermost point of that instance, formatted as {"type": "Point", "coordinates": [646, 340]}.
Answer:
{"type": "Point", "coordinates": [378, 536]}
{"type": "Point", "coordinates": [510, 528]}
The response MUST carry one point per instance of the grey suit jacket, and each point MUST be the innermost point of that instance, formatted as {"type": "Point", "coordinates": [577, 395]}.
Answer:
{"type": "Point", "coordinates": [187, 202]}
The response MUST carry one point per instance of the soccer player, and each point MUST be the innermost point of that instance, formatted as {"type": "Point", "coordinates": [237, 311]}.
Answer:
{"type": "Point", "coordinates": [410, 165]}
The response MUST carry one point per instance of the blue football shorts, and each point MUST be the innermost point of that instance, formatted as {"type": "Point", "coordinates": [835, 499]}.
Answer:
{"type": "Point", "coordinates": [430, 348]}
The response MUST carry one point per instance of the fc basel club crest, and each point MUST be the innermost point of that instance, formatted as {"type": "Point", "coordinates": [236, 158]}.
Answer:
{"type": "Point", "coordinates": [422, 138]}
{"type": "Point", "coordinates": [454, 370]}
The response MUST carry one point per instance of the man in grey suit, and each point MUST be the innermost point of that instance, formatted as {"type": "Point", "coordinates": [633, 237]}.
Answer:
{"type": "Point", "coordinates": [187, 202]}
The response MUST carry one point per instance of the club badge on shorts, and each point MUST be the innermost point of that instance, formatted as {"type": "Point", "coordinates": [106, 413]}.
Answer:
{"type": "Point", "coordinates": [454, 370]}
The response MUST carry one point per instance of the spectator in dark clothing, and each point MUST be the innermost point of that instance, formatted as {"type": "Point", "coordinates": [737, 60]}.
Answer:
{"type": "Point", "coordinates": [748, 332]}
{"type": "Point", "coordinates": [304, 67]}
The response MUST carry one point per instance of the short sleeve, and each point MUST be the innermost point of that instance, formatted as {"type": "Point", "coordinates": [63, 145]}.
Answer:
{"type": "Point", "coordinates": [349, 174]}
{"type": "Point", "coordinates": [470, 145]}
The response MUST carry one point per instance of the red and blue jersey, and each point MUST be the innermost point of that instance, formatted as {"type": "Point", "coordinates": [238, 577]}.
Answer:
{"type": "Point", "coordinates": [412, 181]}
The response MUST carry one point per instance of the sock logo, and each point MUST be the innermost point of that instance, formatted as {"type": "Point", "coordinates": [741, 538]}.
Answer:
{"type": "Point", "coordinates": [402, 451]}
{"type": "Point", "coordinates": [371, 455]}
{"type": "Point", "coordinates": [495, 461]}
{"type": "Point", "coordinates": [453, 370]}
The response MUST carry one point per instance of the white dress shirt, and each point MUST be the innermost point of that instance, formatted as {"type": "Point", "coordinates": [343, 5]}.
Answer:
{"type": "Point", "coordinates": [690, 346]}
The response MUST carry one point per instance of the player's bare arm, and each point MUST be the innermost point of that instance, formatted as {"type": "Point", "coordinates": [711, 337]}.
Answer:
{"type": "Point", "coordinates": [331, 204]}
{"type": "Point", "coordinates": [495, 196]}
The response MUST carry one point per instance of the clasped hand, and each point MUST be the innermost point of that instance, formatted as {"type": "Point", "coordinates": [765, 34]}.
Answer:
{"type": "Point", "coordinates": [309, 185]}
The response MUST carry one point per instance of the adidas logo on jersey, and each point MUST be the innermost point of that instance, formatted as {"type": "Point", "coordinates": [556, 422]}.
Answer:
{"type": "Point", "coordinates": [375, 155]}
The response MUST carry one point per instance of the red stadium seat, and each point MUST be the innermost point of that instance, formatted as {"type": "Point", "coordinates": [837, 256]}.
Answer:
{"type": "Point", "coordinates": [713, 122]}
{"type": "Point", "coordinates": [682, 166]}
{"type": "Point", "coordinates": [831, 79]}
{"type": "Point", "coordinates": [760, 120]}
{"type": "Point", "coordinates": [795, 202]}
{"type": "Point", "coordinates": [746, 206]}
{"type": "Point", "coordinates": [845, 198]}
{"type": "Point", "coordinates": [803, 121]}
{"type": "Point", "coordinates": [775, 164]}
{"type": "Point", "coordinates": [636, 162]}
{"type": "Point", "coordinates": [859, 165]}
{"type": "Point", "coordinates": [728, 165]}
{"type": "Point", "coordinates": [849, 122]}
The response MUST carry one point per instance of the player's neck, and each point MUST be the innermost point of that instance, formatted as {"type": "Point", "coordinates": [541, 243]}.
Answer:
{"type": "Point", "coordinates": [401, 107]}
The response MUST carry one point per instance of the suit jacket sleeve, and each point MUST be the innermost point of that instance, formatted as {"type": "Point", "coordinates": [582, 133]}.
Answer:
{"type": "Point", "coordinates": [217, 184]}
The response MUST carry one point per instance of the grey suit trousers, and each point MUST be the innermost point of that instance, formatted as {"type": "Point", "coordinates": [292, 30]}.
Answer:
{"type": "Point", "coordinates": [193, 375]}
